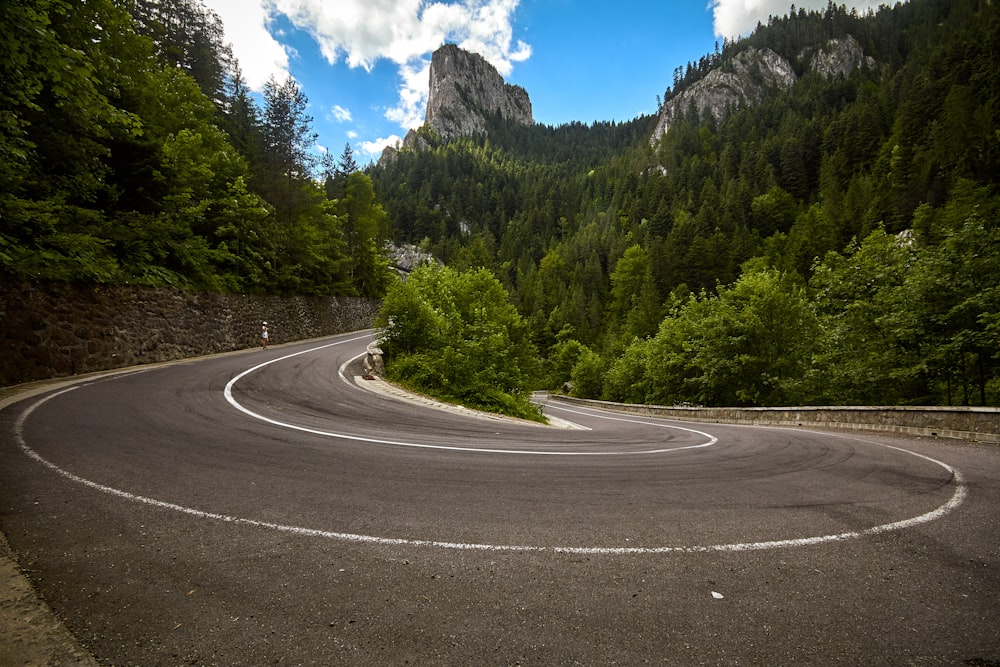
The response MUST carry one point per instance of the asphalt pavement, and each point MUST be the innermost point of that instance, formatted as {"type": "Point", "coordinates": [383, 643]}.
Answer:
{"type": "Point", "coordinates": [271, 507]}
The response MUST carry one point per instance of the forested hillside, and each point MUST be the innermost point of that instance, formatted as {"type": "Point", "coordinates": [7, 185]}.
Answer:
{"type": "Point", "coordinates": [131, 151]}
{"type": "Point", "coordinates": [836, 242]}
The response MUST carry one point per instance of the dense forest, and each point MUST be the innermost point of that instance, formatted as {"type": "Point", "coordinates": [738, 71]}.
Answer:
{"type": "Point", "coordinates": [836, 243]}
{"type": "Point", "coordinates": [132, 151]}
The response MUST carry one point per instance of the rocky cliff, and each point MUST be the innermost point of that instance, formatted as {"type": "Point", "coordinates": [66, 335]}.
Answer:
{"type": "Point", "coordinates": [745, 79]}
{"type": "Point", "coordinates": [465, 90]}
{"type": "Point", "coordinates": [407, 257]}
{"type": "Point", "coordinates": [741, 81]}
{"type": "Point", "coordinates": [838, 57]}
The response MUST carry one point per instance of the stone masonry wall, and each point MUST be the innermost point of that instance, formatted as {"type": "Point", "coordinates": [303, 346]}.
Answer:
{"type": "Point", "coordinates": [55, 330]}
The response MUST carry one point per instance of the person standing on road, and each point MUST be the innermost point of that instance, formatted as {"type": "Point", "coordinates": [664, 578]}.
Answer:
{"type": "Point", "coordinates": [263, 335]}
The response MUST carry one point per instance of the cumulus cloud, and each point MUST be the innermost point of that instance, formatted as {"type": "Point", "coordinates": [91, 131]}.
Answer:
{"type": "Point", "coordinates": [340, 114]}
{"type": "Point", "coordinates": [733, 18]}
{"type": "Point", "coordinates": [374, 148]}
{"type": "Point", "coordinates": [363, 32]}
{"type": "Point", "coordinates": [409, 112]}
{"type": "Point", "coordinates": [259, 54]}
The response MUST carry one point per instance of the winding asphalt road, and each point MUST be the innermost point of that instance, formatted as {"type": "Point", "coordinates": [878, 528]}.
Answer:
{"type": "Point", "coordinates": [267, 507]}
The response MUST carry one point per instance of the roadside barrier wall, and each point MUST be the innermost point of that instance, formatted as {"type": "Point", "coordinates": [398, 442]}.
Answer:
{"type": "Point", "coordinates": [969, 423]}
{"type": "Point", "coordinates": [56, 330]}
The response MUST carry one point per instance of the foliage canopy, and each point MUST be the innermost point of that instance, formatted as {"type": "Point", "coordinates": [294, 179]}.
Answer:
{"type": "Point", "coordinates": [836, 242]}
{"type": "Point", "coordinates": [833, 243]}
{"type": "Point", "coordinates": [455, 334]}
{"type": "Point", "coordinates": [131, 151]}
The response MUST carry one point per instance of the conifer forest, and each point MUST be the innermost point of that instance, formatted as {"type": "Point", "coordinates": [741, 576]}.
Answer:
{"type": "Point", "coordinates": [837, 243]}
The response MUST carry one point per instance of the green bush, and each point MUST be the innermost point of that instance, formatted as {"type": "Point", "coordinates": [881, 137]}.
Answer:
{"type": "Point", "coordinates": [455, 335]}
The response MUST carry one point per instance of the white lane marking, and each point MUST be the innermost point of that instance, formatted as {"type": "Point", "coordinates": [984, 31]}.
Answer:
{"type": "Point", "coordinates": [374, 387]}
{"type": "Point", "coordinates": [227, 518]}
{"type": "Point", "coordinates": [340, 371]}
{"type": "Point", "coordinates": [957, 498]}
{"type": "Point", "coordinates": [603, 415]}
{"type": "Point", "coordinates": [711, 440]}
{"type": "Point", "coordinates": [953, 503]}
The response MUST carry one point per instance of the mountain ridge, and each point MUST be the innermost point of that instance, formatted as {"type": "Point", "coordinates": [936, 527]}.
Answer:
{"type": "Point", "coordinates": [465, 90]}
{"type": "Point", "coordinates": [745, 78]}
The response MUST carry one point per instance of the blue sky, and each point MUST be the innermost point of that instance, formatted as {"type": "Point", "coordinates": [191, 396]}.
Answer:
{"type": "Point", "coordinates": [363, 63]}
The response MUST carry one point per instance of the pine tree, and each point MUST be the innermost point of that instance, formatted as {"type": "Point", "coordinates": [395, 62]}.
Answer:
{"type": "Point", "coordinates": [288, 139]}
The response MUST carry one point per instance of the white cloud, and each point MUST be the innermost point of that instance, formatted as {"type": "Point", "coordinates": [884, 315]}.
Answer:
{"type": "Point", "coordinates": [340, 114]}
{"type": "Point", "coordinates": [260, 55]}
{"type": "Point", "coordinates": [409, 112]}
{"type": "Point", "coordinates": [490, 34]}
{"type": "Point", "coordinates": [374, 148]}
{"type": "Point", "coordinates": [363, 32]}
{"type": "Point", "coordinates": [733, 18]}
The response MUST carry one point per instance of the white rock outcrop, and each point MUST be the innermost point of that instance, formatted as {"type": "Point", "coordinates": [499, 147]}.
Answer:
{"type": "Point", "coordinates": [839, 57]}
{"type": "Point", "coordinates": [407, 257]}
{"type": "Point", "coordinates": [741, 81]}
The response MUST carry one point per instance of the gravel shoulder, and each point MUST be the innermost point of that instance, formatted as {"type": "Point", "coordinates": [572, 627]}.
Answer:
{"type": "Point", "coordinates": [30, 633]}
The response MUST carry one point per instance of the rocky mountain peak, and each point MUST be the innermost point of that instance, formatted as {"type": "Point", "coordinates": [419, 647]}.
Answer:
{"type": "Point", "coordinates": [744, 80]}
{"type": "Point", "coordinates": [839, 57]}
{"type": "Point", "coordinates": [740, 81]}
{"type": "Point", "coordinates": [465, 89]}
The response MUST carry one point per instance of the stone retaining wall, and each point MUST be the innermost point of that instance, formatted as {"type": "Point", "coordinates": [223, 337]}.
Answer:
{"type": "Point", "coordinates": [980, 424]}
{"type": "Point", "coordinates": [55, 330]}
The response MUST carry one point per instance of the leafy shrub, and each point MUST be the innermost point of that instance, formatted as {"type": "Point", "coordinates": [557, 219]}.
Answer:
{"type": "Point", "coordinates": [455, 335]}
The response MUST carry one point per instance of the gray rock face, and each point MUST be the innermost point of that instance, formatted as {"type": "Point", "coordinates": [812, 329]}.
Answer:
{"type": "Point", "coordinates": [465, 90]}
{"type": "Point", "coordinates": [739, 82]}
{"type": "Point", "coordinates": [405, 258]}
{"type": "Point", "coordinates": [839, 57]}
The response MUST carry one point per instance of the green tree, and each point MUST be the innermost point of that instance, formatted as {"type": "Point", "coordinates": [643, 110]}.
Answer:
{"type": "Point", "coordinates": [869, 349]}
{"type": "Point", "coordinates": [366, 231]}
{"type": "Point", "coordinates": [288, 139]}
{"type": "Point", "coordinates": [561, 359]}
{"type": "Point", "coordinates": [635, 301]}
{"type": "Point", "coordinates": [626, 378]}
{"type": "Point", "coordinates": [457, 336]}
{"type": "Point", "coordinates": [241, 119]}
{"type": "Point", "coordinates": [954, 288]}
{"type": "Point", "coordinates": [58, 121]}
{"type": "Point", "coordinates": [773, 211]}
{"type": "Point", "coordinates": [335, 173]}
{"type": "Point", "coordinates": [750, 345]}
{"type": "Point", "coordinates": [587, 376]}
{"type": "Point", "coordinates": [240, 231]}
{"type": "Point", "coordinates": [188, 36]}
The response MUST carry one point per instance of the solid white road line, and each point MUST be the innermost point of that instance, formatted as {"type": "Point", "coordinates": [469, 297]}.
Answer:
{"type": "Point", "coordinates": [711, 440]}
{"type": "Point", "coordinates": [954, 502]}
